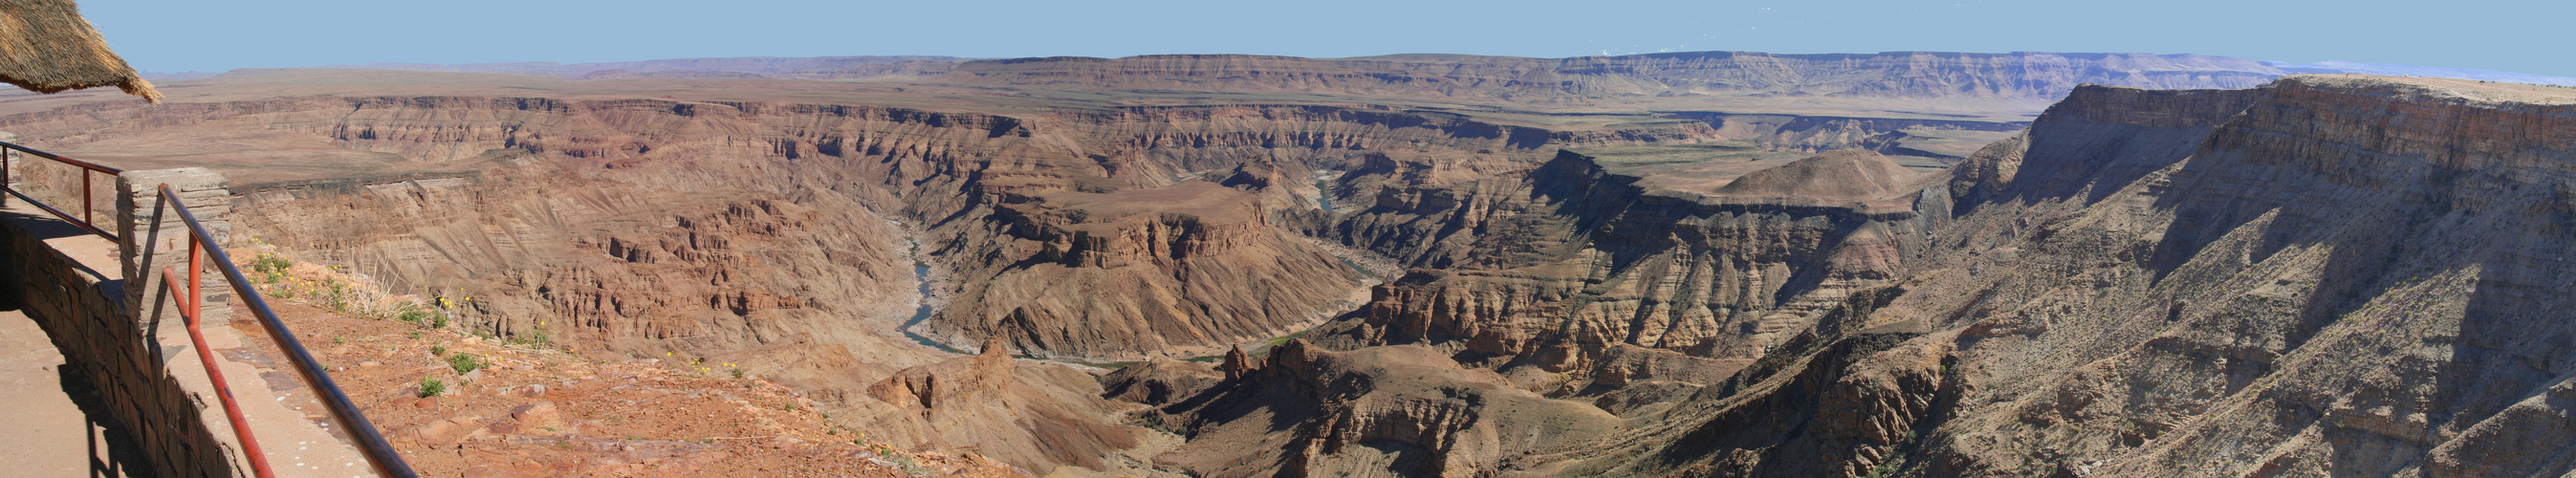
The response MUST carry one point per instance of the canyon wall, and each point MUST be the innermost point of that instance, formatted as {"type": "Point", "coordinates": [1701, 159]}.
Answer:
{"type": "Point", "coordinates": [1553, 271]}
{"type": "Point", "coordinates": [2322, 275]}
{"type": "Point", "coordinates": [775, 235]}
{"type": "Point", "coordinates": [2315, 277]}
{"type": "Point", "coordinates": [2325, 275]}
{"type": "Point", "coordinates": [592, 174]}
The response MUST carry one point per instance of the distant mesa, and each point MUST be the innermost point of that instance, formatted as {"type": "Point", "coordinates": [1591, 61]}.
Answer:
{"type": "Point", "coordinates": [1846, 174]}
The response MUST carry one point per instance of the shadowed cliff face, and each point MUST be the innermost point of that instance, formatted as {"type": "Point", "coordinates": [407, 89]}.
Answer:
{"type": "Point", "coordinates": [1596, 249]}
{"type": "Point", "coordinates": [2345, 271]}
{"type": "Point", "coordinates": [1384, 411]}
{"type": "Point", "coordinates": [2149, 282]}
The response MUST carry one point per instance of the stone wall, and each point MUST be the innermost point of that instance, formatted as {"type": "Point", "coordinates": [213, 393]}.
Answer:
{"type": "Point", "coordinates": [135, 361]}
{"type": "Point", "coordinates": [138, 201]}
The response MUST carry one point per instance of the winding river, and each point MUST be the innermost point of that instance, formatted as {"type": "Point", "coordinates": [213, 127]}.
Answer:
{"type": "Point", "coordinates": [925, 308]}
{"type": "Point", "coordinates": [921, 275]}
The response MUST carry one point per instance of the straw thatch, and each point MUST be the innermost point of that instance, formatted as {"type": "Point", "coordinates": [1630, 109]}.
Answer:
{"type": "Point", "coordinates": [46, 46]}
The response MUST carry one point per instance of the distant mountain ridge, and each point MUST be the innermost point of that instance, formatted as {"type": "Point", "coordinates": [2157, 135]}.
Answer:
{"type": "Point", "coordinates": [826, 65]}
{"type": "Point", "coordinates": [2388, 69]}
{"type": "Point", "coordinates": [2118, 69]}
{"type": "Point", "coordinates": [757, 66]}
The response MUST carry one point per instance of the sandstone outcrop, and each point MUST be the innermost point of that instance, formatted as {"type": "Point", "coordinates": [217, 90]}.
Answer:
{"type": "Point", "coordinates": [1180, 270]}
{"type": "Point", "coordinates": [1162, 380]}
{"type": "Point", "coordinates": [1383, 411]}
{"type": "Point", "coordinates": [1717, 263]}
{"type": "Point", "coordinates": [1034, 416]}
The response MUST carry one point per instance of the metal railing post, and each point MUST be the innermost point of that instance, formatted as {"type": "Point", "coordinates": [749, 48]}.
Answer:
{"type": "Point", "coordinates": [190, 309]}
{"type": "Point", "coordinates": [89, 214]}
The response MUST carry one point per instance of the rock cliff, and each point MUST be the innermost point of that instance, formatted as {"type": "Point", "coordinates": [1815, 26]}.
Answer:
{"type": "Point", "coordinates": [1182, 270]}
{"type": "Point", "coordinates": [2314, 277]}
{"type": "Point", "coordinates": [1712, 264]}
{"type": "Point", "coordinates": [1384, 411]}
{"type": "Point", "coordinates": [2323, 275]}
{"type": "Point", "coordinates": [1030, 415]}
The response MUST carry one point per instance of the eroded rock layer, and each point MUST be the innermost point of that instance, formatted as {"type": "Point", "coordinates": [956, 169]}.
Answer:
{"type": "Point", "coordinates": [2326, 275]}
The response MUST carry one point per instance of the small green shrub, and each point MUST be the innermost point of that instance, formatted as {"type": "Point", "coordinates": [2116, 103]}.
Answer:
{"type": "Point", "coordinates": [538, 337]}
{"type": "Point", "coordinates": [438, 350]}
{"type": "Point", "coordinates": [464, 363]}
{"type": "Point", "coordinates": [431, 387]}
{"type": "Point", "coordinates": [737, 373]}
{"type": "Point", "coordinates": [271, 266]}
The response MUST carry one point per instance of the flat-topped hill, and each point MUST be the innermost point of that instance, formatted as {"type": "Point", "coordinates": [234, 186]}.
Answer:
{"type": "Point", "coordinates": [1722, 173]}
{"type": "Point", "coordinates": [1847, 174]}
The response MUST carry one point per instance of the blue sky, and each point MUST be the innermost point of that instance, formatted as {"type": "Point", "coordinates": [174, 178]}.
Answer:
{"type": "Point", "coordinates": [170, 36]}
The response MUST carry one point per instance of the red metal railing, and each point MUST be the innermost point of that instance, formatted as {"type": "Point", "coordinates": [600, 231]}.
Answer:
{"type": "Point", "coordinates": [88, 211]}
{"type": "Point", "coordinates": [201, 247]}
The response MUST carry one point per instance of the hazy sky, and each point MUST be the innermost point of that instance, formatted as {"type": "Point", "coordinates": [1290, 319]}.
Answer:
{"type": "Point", "coordinates": [170, 36]}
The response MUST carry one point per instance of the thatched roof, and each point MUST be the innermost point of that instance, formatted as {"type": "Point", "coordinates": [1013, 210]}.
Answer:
{"type": "Point", "coordinates": [46, 46]}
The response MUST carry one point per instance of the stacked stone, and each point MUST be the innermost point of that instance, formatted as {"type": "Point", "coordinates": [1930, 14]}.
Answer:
{"type": "Point", "coordinates": [139, 195]}
{"type": "Point", "coordinates": [127, 355]}
{"type": "Point", "coordinates": [12, 168]}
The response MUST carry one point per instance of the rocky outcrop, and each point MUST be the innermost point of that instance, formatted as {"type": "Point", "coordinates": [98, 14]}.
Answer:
{"type": "Point", "coordinates": [1180, 270]}
{"type": "Point", "coordinates": [1597, 251]}
{"type": "Point", "coordinates": [2271, 312]}
{"type": "Point", "coordinates": [1838, 175]}
{"type": "Point", "coordinates": [1383, 411]}
{"type": "Point", "coordinates": [1162, 380]}
{"type": "Point", "coordinates": [951, 383]}
{"type": "Point", "coordinates": [1034, 416]}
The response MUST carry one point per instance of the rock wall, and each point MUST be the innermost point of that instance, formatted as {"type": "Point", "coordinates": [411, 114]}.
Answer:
{"type": "Point", "coordinates": [132, 360]}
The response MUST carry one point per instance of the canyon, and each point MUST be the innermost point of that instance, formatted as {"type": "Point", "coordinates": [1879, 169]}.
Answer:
{"type": "Point", "coordinates": [1693, 264]}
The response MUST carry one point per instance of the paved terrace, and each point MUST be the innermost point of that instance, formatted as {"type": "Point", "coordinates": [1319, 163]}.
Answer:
{"type": "Point", "coordinates": [58, 423]}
